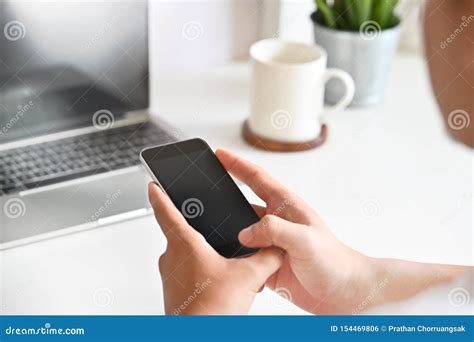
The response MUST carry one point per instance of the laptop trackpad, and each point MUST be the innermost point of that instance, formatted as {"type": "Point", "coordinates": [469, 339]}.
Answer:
{"type": "Point", "coordinates": [87, 200]}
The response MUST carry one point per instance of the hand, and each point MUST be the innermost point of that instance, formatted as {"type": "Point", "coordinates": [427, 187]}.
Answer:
{"type": "Point", "coordinates": [196, 279]}
{"type": "Point", "coordinates": [321, 274]}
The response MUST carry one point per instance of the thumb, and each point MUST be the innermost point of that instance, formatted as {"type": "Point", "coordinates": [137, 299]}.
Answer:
{"type": "Point", "coordinates": [263, 264]}
{"type": "Point", "coordinates": [274, 231]}
{"type": "Point", "coordinates": [170, 219]}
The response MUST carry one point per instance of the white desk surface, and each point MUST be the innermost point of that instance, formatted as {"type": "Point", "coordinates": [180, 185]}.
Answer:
{"type": "Point", "coordinates": [394, 158]}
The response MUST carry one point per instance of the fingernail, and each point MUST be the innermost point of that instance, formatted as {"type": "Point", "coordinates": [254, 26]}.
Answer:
{"type": "Point", "coordinates": [245, 235]}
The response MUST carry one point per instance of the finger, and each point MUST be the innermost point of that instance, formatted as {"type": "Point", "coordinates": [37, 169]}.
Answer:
{"type": "Point", "coordinates": [280, 199]}
{"type": "Point", "coordinates": [259, 210]}
{"type": "Point", "coordinates": [254, 176]}
{"type": "Point", "coordinates": [263, 264]}
{"type": "Point", "coordinates": [275, 231]}
{"type": "Point", "coordinates": [169, 218]}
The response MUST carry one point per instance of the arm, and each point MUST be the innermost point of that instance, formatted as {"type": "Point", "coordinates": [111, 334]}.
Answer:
{"type": "Point", "coordinates": [393, 280]}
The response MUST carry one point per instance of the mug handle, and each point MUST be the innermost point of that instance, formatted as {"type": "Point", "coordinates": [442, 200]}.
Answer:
{"type": "Point", "coordinates": [348, 96]}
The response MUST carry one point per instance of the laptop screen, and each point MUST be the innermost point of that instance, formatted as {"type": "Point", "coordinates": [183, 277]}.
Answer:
{"type": "Point", "coordinates": [61, 62]}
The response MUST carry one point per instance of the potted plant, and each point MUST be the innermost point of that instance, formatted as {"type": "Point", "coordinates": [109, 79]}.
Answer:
{"type": "Point", "coordinates": [361, 37]}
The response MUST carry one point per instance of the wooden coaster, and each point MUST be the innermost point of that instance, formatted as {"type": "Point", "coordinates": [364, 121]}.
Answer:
{"type": "Point", "coordinates": [281, 146]}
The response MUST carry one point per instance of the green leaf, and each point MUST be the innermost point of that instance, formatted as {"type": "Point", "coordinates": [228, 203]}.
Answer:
{"type": "Point", "coordinates": [384, 12]}
{"type": "Point", "coordinates": [340, 13]}
{"type": "Point", "coordinates": [327, 13]}
{"type": "Point", "coordinates": [351, 14]}
{"type": "Point", "coordinates": [364, 11]}
{"type": "Point", "coordinates": [342, 24]}
{"type": "Point", "coordinates": [340, 6]}
{"type": "Point", "coordinates": [394, 21]}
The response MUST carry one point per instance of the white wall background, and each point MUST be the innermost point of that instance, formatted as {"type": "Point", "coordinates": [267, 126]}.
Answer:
{"type": "Point", "coordinates": [195, 33]}
{"type": "Point", "coordinates": [187, 35]}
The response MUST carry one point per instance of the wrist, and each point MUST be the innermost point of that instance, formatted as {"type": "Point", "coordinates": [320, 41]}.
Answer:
{"type": "Point", "coordinates": [394, 280]}
{"type": "Point", "coordinates": [215, 303]}
{"type": "Point", "coordinates": [369, 280]}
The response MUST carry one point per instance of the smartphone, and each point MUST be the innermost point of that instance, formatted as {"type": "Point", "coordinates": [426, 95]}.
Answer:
{"type": "Point", "coordinates": [200, 187]}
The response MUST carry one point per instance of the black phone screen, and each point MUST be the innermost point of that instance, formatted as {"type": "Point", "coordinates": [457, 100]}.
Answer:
{"type": "Point", "coordinates": [204, 192]}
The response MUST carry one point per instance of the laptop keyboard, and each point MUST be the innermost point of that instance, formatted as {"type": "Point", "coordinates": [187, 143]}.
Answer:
{"type": "Point", "coordinates": [79, 156]}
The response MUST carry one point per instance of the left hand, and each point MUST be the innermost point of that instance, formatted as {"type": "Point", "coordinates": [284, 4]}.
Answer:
{"type": "Point", "coordinates": [196, 279]}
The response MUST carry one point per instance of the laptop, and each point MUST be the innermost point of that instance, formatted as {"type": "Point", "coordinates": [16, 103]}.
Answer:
{"type": "Point", "coordinates": [74, 98]}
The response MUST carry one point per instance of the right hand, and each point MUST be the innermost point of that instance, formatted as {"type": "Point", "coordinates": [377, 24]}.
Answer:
{"type": "Point", "coordinates": [322, 274]}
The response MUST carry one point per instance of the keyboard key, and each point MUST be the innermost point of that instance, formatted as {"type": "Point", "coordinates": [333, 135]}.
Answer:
{"type": "Point", "coordinates": [60, 160]}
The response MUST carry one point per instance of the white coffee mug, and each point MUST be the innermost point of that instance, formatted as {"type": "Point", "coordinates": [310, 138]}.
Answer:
{"type": "Point", "coordinates": [288, 90]}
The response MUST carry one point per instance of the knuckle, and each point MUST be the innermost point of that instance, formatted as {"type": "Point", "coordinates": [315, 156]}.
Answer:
{"type": "Point", "coordinates": [257, 175]}
{"type": "Point", "coordinates": [269, 221]}
{"type": "Point", "coordinates": [198, 239]}
{"type": "Point", "coordinates": [267, 230]}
